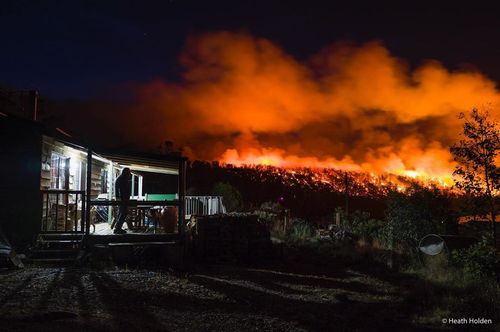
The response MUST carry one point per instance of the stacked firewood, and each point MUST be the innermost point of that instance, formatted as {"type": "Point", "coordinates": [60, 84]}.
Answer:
{"type": "Point", "coordinates": [230, 238]}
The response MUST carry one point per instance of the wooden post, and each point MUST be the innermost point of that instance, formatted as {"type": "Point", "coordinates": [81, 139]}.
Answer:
{"type": "Point", "coordinates": [84, 212]}
{"type": "Point", "coordinates": [132, 185]}
{"type": "Point", "coordinates": [346, 193]}
{"type": "Point", "coordinates": [285, 224]}
{"type": "Point", "coordinates": [111, 186]}
{"type": "Point", "coordinates": [57, 209]}
{"type": "Point", "coordinates": [67, 162]}
{"type": "Point", "coordinates": [140, 187]}
{"type": "Point", "coordinates": [182, 195]}
{"type": "Point", "coordinates": [89, 189]}
{"type": "Point", "coordinates": [76, 213]}
{"type": "Point", "coordinates": [47, 211]}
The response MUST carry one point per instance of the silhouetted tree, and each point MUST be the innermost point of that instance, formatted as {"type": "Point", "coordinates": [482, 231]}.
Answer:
{"type": "Point", "coordinates": [231, 197]}
{"type": "Point", "coordinates": [412, 215]}
{"type": "Point", "coordinates": [476, 172]}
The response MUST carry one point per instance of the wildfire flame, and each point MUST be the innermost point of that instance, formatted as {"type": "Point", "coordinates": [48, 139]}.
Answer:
{"type": "Point", "coordinates": [279, 159]}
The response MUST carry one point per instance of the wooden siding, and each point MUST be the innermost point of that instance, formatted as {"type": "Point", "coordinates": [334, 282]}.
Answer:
{"type": "Point", "coordinates": [50, 146]}
{"type": "Point", "coordinates": [66, 202]}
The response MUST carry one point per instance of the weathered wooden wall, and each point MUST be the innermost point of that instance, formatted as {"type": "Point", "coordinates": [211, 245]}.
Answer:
{"type": "Point", "coordinates": [49, 147]}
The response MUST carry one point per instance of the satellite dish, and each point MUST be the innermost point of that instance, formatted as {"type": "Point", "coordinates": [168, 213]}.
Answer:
{"type": "Point", "coordinates": [433, 252]}
{"type": "Point", "coordinates": [431, 244]}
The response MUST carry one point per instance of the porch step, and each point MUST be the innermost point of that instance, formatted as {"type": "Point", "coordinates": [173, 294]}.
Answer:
{"type": "Point", "coordinates": [60, 241]}
{"type": "Point", "coordinates": [56, 247]}
{"type": "Point", "coordinates": [146, 252]}
{"type": "Point", "coordinates": [60, 236]}
{"type": "Point", "coordinates": [125, 244]}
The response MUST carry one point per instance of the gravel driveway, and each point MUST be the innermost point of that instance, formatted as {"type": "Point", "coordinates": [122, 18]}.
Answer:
{"type": "Point", "coordinates": [280, 297]}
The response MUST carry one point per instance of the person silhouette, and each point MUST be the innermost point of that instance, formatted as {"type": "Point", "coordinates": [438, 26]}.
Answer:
{"type": "Point", "coordinates": [123, 191]}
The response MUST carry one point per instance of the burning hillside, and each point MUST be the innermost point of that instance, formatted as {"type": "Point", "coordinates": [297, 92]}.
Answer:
{"type": "Point", "coordinates": [328, 170]}
{"type": "Point", "coordinates": [311, 192]}
{"type": "Point", "coordinates": [360, 184]}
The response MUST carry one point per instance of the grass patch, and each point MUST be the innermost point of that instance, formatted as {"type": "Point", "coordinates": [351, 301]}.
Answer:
{"type": "Point", "coordinates": [433, 289]}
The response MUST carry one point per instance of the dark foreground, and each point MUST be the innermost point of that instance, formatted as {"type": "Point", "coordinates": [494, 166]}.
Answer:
{"type": "Point", "coordinates": [283, 296]}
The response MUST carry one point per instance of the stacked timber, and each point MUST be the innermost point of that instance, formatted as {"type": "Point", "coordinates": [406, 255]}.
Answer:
{"type": "Point", "coordinates": [230, 238]}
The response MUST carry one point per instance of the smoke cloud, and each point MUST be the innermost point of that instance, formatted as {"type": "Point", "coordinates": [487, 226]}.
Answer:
{"type": "Point", "coordinates": [242, 99]}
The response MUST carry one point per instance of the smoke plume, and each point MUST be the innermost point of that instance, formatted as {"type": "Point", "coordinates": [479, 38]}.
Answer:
{"type": "Point", "coordinates": [243, 99]}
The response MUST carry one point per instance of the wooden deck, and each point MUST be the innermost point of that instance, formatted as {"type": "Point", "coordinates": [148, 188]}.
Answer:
{"type": "Point", "coordinates": [105, 229]}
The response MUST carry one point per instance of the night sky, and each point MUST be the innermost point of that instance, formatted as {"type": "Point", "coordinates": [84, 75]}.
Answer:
{"type": "Point", "coordinates": [83, 48]}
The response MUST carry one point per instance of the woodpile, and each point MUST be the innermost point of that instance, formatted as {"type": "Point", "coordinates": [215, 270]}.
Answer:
{"type": "Point", "coordinates": [167, 219]}
{"type": "Point", "coordinates": [230, 238]}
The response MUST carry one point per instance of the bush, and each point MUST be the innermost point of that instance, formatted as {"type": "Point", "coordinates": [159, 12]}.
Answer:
{"type": "Point", "coordinates": [362, 225]}
{"type": "Point", "coordinates": [231, 197]}
{"type": "Point", "coordinates": [478, 261]}
{"type": "Point", "coordinates": [269, 212]}
{"type": "Point", "coordinates": [412, 215]}
{"type": "Point", "coordinates": [301, 231]}
{"type": "Point", "coordinates": [276, 219]}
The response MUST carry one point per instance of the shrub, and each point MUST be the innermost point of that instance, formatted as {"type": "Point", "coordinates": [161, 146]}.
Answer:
{"type": "Point", "coordinates": [269, 212]}
{"type": "Point", "coordinates": [301, 231]}
{"type": "Point", "coordinates": [362, 225]}
{"type": "Point", "coordinates": [231, 197]}
{"type": "Point", "coordinates": [412, 215]}
{"type": "Point", "coordinates": [271, 207]}
{"type": "Point", "coordinates": [478, 261]}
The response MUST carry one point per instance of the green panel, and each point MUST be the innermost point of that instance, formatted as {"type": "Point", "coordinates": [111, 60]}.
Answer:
{"type": "Point", "coordinates": [161, 197]}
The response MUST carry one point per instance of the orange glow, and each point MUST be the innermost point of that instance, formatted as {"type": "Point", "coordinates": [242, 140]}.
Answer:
{"type": "Point", "coordinates": [244, 100]}
{"type": "Point", "coordinates": [278, 158]}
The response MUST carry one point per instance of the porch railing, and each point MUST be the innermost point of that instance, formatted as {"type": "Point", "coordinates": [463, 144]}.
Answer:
{"type": "Point", "coordinates": [139, 210]}
{"type": "Point", "coordinates": [63, 211]}
{"type": "Point", "coordinates": [204, 205]}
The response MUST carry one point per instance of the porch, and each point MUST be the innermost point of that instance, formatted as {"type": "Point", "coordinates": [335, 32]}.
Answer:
{"type": "Point", "coordinates": [80, 208]}
{"type": "Point", "coordinates": [77, 189]}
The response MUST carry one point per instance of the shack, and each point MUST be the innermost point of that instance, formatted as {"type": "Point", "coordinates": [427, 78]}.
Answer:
{"type": "Point", "coordinates": [55, 188]}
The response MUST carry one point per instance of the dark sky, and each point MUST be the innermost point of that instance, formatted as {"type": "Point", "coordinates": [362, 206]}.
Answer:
{"type": "Point", "coordinates": [82, 48]}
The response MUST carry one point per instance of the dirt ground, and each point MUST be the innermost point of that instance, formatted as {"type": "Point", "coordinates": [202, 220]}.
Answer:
{"type": "Point", "coordinates": [278, 296]}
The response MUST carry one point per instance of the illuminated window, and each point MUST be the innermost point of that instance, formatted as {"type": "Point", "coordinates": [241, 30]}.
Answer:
{"type": "Point", "coordinates": [59, 171]}
{"type": "Point", "coordinates": [77, 174]}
